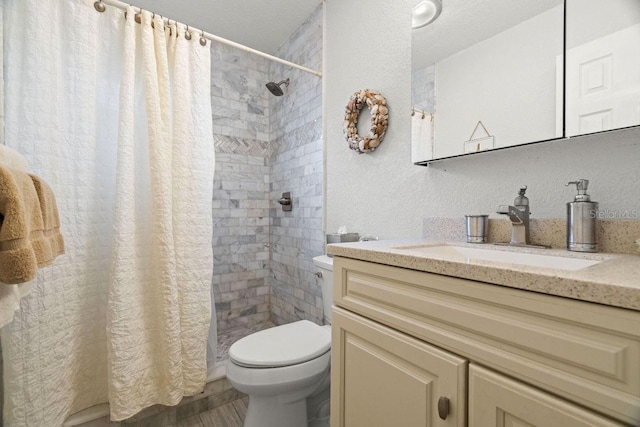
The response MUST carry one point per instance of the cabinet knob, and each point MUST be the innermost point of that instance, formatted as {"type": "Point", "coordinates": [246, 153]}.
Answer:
{"type": "Point", "coordinates": [443, 407]}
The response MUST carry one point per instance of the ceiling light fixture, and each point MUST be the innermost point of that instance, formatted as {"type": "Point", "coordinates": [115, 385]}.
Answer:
{"type": "Point", "coordinates": [425, 13]}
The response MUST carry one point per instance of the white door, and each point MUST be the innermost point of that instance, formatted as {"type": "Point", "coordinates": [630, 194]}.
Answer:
{"type": "Point", "coordinates": [603, 83]}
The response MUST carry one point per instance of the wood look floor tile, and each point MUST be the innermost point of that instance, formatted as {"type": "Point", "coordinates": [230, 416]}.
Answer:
{"type": "Point", "coordinates": [194, 421]}
{"type": "Point", "coordinates": [240, 406]}
{"type": "Point", "coordinates": [222, 416]}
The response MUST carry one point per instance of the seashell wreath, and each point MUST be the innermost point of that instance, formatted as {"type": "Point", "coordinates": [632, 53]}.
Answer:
{"type": "Point", "coordinates": [379, 120]}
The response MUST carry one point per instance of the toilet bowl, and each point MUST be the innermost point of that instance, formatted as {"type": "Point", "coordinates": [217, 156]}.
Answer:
{"type": "Point", "coordinates": [285, 370]}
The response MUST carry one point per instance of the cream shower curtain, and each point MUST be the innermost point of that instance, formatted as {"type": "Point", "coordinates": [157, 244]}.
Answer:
{"type": "Point", "coordinates": [159, 307]}
{"type": "Point", "coordinates": [116, 116]}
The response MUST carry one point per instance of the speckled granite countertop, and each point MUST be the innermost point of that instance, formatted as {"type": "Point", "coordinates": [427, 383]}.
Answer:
{"type": "Point", "coordinates": [614, 281]}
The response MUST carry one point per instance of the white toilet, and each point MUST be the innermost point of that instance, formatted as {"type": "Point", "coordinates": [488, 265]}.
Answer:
{"type": "Point", "coordinates": [285, 369]}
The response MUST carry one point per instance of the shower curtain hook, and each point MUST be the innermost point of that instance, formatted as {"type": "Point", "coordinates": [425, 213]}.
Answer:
{"type": "Point", "coordinates": [99, 6]}
{"type": "Point", "coordinates": [187, 34]}
{"type": "Point", "coordinates": [203, 41]}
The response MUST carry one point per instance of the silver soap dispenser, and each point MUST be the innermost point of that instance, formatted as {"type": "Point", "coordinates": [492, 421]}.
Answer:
{"type": "Point", "coordinates": [582, 220]}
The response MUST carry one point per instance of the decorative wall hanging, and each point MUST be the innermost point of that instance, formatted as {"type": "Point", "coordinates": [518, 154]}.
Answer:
{"type": "Point", "coordinates": [479, 143]}
{"type": "Point", "coordinates": [379, 120]}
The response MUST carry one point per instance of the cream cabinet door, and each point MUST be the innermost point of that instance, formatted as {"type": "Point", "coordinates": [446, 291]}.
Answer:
{"type": "Point", "coordinates": [497, 401]}
{"type": "Point", "coordinates": [384, 378]}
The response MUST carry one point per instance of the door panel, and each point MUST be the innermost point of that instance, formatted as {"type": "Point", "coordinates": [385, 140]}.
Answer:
{"type": "Point", "coordinates": [603, 83]}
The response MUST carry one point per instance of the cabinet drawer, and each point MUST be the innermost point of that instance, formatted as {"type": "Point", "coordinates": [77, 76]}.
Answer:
{"type": "Point", "coordinates": [584, 352]}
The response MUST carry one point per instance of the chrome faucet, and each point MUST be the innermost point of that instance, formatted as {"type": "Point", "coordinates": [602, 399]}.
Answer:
{"type": "Point", "coordinates": [519, 216]}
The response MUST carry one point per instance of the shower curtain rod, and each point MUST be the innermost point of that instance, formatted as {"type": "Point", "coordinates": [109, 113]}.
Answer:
{"type": "Point", "coordinates": [123, 5]}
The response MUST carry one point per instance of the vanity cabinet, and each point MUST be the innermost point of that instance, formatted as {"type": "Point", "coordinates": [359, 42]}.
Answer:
{"type": "Point", "coordinates": [391, 379]}
{"type": "Point", "coordinates": [404, 341]}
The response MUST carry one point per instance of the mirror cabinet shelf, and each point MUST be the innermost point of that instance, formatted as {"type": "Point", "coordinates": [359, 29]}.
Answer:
{"type": "Point", "coordinates": [496, 74]}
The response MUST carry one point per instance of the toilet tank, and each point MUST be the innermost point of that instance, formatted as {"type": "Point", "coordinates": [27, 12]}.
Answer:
{"type": "Point", "coordinates": [325, 266]}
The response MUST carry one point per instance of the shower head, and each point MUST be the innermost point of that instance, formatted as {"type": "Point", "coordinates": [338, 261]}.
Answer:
{"type": "Point", "coordinates": [275, 88]}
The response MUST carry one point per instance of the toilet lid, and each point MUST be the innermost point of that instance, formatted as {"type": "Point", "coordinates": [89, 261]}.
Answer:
{"type": "Point", "coordinates": [284, 345]}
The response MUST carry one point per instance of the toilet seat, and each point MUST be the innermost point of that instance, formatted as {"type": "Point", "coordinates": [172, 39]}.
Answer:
{"type": "Point", "coordinates": [280, 346]}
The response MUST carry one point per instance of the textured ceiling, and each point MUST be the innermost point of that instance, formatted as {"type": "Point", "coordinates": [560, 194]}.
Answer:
{"type": "Point", "coordinates": [261, 24]}
{"type": "Point", "coordinates": [463, 23]}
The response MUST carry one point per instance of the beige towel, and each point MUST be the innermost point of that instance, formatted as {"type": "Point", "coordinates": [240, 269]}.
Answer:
{"type": "Point", "coordinates": [50, 218]}
{"type": "Point", "coordinates": [10, 295]}
{"type": "Point", "coordinates": [23, 244]}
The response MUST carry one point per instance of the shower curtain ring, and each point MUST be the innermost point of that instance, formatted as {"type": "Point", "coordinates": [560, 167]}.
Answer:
{"type": "Point", "coordinates": [99, 6]}
{"type": "Point", "coordinates": [187, 34]}
{"type": "Point", "coordinates": [203, 41]}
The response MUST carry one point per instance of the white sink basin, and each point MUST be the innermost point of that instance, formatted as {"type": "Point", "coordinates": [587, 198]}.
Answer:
{"type": "Point", "coordinates": [471, 254]}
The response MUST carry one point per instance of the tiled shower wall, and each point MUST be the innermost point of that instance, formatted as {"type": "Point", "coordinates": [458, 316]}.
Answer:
{"type": "Point", "coordinates": [296, 165]}
{"type": "Point", "coordinates": [266, 145]}
{"type": "Point", "coordinates": [241, 195]}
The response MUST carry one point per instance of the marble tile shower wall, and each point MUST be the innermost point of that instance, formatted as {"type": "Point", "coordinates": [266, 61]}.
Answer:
{"type": "Point", "coordinates": [241, 194]}
{"type": "Point", "coordinates": [267, 145]}
{"type": "Point", "coordinates": [296, 165]}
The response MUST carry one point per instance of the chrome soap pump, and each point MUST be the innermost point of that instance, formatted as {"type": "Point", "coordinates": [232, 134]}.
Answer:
{"type": "Point", "coordinates": [582, 220]}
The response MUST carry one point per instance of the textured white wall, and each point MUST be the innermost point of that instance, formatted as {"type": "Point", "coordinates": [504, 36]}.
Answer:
{"type": "Point", "coordinates": [368, 44]}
